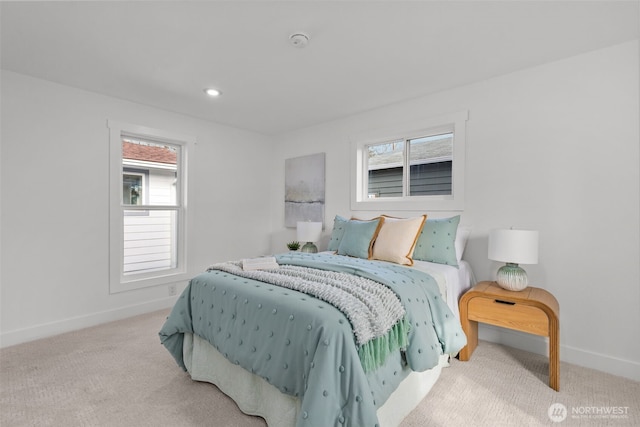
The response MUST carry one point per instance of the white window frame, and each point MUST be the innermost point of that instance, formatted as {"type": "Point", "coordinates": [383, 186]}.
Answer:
{"type": "Point", "coordinates": [455, 122]}
{"type": "Point", "coordinates": [118, 281]}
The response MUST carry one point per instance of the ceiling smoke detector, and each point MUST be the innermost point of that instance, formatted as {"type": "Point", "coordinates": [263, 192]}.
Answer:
{"type": "Point", "coordinates": [299, 39]}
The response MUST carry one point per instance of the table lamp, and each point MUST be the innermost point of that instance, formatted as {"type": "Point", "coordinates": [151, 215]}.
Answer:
{"type": "Point", "coordinates": [309, 232]}
{"type": "Point", "coordinates": [513, 247]}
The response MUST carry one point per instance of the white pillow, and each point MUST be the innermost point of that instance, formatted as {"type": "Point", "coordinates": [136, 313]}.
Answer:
{"type": "Point", "coordinates": [461, 241]}
{"type": "Point", "coordinates": [397, 239]}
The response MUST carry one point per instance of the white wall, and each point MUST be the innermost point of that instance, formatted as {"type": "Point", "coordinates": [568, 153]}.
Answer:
{"type": "Point", "coordinates": [55, 225]}
{"type": "Point", "coordinates": [536, 142]}
{"type": "Point", "coordinates": [553, 148]}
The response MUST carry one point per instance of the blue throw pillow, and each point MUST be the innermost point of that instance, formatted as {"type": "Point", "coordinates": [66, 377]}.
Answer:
{"type": "Point", "coordinates": [339, 227]}
{"type": "Point", "coordinates": [436, 243]}
{"type": "Point", "coordinates": [358, 238]}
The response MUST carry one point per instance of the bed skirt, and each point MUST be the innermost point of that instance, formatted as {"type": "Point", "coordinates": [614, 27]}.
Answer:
{"type": "Point", "coordinates": [255, 396]}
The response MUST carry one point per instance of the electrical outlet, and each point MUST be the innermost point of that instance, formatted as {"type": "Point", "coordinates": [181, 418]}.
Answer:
{"type": "Point", "coordinates": [172, 290]}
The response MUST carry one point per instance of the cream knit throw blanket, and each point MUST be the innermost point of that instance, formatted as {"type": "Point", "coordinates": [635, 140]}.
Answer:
{"type": "Point", "coordinates": [375, 312]}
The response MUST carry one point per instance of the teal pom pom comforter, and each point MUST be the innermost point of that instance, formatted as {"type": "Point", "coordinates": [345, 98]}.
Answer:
{"type": "Point", "coordinates": [306, 347]}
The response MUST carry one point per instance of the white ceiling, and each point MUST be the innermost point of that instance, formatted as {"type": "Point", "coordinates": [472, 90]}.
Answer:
{"type": "Point", "coordinates": [362, 54]}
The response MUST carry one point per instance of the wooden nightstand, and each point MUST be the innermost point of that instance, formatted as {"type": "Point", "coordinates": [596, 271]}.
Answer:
{"type": "Point", "coordinates": [531, 310]}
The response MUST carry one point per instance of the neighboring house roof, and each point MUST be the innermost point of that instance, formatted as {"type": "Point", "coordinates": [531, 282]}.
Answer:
{"type": "Point", "coordinates": [148, 153]}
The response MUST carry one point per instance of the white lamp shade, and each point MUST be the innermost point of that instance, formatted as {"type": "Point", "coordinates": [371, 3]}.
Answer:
{"type": "Point", "coordinates": [309, 231]}
{"type": "Point", "coordinates": [514, 246]}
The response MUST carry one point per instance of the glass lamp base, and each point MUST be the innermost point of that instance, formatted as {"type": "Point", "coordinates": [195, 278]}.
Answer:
{"type": "Point", "coordinates": [309, 248]}
{"type": "Point", "coordinates": [512, 278]}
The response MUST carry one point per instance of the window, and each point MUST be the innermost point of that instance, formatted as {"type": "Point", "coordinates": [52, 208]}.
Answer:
{"type": "Point", "coordinates": [429, 171]}
{"type": "Point", "coordinates": [419, 169]}
{"type": "Point", "coordinates": [135, 188]}
{"type": "Point", "coordinates": [148, 210]}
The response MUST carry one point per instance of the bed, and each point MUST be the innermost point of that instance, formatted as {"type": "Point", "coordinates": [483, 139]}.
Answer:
{"type": "Point", "coordinates": [297, 358]}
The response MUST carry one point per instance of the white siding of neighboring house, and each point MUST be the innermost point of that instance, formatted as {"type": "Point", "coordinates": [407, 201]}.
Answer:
{"type": "Point", "coordinates": [149, 239]}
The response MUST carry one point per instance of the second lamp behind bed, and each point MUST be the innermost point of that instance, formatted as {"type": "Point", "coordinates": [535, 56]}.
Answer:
{"type": "Point", "coordinates": [309, 232]}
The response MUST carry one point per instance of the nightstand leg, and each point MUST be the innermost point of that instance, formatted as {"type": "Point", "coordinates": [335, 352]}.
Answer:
{"type": "Point", "coordinates": [470, 329]}
{"type": "Point", "coordinates": [554, 357]}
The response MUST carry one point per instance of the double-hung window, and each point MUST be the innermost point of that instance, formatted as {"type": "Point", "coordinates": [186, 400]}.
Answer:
{"type": "Point", "coordinates": [148, 209]}
{"type": "Point", "coordinates": [411, 168]}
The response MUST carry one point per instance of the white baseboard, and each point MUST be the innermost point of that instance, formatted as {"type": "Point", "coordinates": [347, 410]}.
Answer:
{"type": "Point", "coordinates": [539, 345]}
{"type": "Point", "coordinates": [72, 324]}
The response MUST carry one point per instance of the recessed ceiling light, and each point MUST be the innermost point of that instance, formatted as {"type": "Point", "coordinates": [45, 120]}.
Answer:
{"type": "Point", "coordinates": [213, 92]}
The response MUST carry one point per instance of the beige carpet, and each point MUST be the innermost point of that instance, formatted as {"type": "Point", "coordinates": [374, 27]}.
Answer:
{"type": "Point", "coordinates": [119, 374]}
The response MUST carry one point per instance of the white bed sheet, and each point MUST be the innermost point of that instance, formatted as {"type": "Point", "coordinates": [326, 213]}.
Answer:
{"type": "Point", "coordinates": [452, 281]}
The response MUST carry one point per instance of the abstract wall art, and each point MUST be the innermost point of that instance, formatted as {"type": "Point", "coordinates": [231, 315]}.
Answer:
{"type": "Point", "coordinates": [304, 189]}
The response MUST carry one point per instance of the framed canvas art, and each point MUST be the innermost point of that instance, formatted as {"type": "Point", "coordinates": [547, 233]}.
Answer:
{"type": "Point", "coordinates": [304, 189]}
